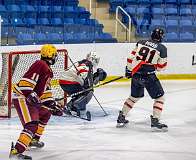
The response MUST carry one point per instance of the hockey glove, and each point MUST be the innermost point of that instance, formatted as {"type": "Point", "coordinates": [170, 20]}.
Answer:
{"type": "Point", "coordinates": [33, 99]}
{"type": "Point", "coordinates": [100, 75]}
{"type": "Point", "coordinates": [54, 107]}
{"type": "Point", "coordinates": [128, 73]}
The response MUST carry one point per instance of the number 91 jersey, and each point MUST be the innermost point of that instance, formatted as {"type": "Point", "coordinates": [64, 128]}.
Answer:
{"type": "Point", "coordinates": [148, 56]}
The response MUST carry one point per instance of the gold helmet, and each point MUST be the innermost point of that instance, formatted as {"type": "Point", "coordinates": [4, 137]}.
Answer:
{"type": "Point", "coordinates": [49, 53]}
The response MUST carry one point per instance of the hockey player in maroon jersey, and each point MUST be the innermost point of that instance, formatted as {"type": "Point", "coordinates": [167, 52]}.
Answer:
{"type": "Point", "coordinates": [79, 77]}
{"type": "Point", "coordinates": [32, 98]}
{"type": "Point", "coordinates": [148, 57]}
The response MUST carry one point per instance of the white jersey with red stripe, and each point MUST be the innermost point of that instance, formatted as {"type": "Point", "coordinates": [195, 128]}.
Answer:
{"type": "Point", "coordinates": [75, 74]}
{"type": "Point", "coordinates": [148, 56]}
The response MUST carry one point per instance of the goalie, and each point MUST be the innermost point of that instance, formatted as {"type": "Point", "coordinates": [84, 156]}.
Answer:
{"type": "Point", "coordinates": [79, 77]}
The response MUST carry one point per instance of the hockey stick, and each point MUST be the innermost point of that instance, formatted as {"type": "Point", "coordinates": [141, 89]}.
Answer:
{"type": "Point", "coordinates": [89, 89]}
{"type": "Point", "coordinates": [92, 92]}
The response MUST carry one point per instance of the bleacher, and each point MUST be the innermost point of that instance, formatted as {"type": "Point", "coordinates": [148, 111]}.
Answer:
{"type": "Point", "coordinates": [176, 17]}
{"type": "Point", "coordinates": [48, 21]}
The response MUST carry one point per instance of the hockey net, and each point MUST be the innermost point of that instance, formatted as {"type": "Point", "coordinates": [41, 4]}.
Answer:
{"type": "Point", "coordinates": [14, 65]}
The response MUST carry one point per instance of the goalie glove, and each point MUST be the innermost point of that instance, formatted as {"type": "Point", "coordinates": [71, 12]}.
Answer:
{"type": "Point", "coordinates": [55, 108]}
{"type": "Point", "coordinates": [33, 99]}
{"type": "Point", "coordinates": [128, 73]}
{"type": "Point", "coordinates": [100, 75]}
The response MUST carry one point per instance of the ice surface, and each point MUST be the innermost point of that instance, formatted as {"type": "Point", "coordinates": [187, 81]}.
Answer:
{"type": "Point", "coordinates": [73, 139]}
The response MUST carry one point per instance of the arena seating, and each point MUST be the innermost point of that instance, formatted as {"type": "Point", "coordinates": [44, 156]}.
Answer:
{"type": "Point", "coordinates": [176, 17]}
{"type": "Point", "coordinates": [48, 21]}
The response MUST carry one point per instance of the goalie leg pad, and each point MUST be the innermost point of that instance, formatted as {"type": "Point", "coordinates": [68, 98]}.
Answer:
{"type": "Point", "coordinates": [81, 102]}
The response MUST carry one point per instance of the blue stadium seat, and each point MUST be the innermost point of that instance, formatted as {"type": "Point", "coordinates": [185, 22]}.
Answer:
{"type": "Point", "coordinates": [158, 11]}
{"type": "Point", "coordinates": [57, 12]}
{"type": "Point", "coordinates": [18, 2]}
{"type": "Point", "coordinates": [143, 10]}
{"type": "Point", "coordinates": [130, 2]}
{"type": "Point", "coordinates": [68, 37]}
{"type": "Point", "coordinates": [13, 8]}
{"type": "Point", "coordinates": [54, 38]}
{"type": "Point", "coordinates": [153, 2]}
{"type": "Point", "coordinates": [68, 21]}
{"type": "Point", "coordinates": [194, 11]}
{"type": "Point", "coordinates": [40, 38]}
{"type": "Point", "coordinates": [171, 2]}
{"type": "Point", "coordinates": [73, 3]}
{"type": "Point", "coordinates": [70, 12]}
{"type": "Point", "coordinates": [15, 11]}
{"type": "Point", "coordinates": [171, 11]}
{"type": "Point", "coordinates": [185, 11]}
{"type": "Point", "coordinates": [173, 17]}
{"type": "Point", "coordinates": [157, 23]}
{"type": "Point", "coordinates": [27, 8]}
{"type": "Point", "coordinates": [43, 21]}
{"type": "Point", "coordinates": [186, 25]}
{"type": "Point", "coordinates": [143, 2]}
{"type": "Point", "coordinates": [30, 21]}
{"type": "Point", "coordinates": [56, 22]}
{"type": "Point", "coordinates": [186, 37]}
{"type": "Point", "coordinates": [171, 37]}
{"type": "Point", "coordinates": [184, 2]}
{"type": "Point", "coordinates": [171, 25]}
{"type": "Point", "coordinates": [107, 38]}
{"type": "Point", "coordinates": [82, 21]}
{"type": "Point", "coordinates": [83, 13]}
{"type": "Point", "coordinates": [24, 38]}
{"type": "Point", "coordinates": [3, 11]}
{"type": "Point", "coordinates": [193, 2]}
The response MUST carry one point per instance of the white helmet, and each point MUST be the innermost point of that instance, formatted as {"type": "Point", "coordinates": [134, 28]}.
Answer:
{"type": "Point", "coordinates": [93, 58]}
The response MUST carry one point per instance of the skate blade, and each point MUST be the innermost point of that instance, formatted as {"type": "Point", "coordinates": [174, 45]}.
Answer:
{"type": "Point", "coordinates": [155, 129]}
{"type": "Point", "coordinates": [121, 125]}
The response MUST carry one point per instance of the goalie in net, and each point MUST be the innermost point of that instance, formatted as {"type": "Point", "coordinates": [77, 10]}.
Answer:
{"type": "Point", "coordinates": [32, 98]}
{"type": "Point", "coordinates": [79, 78]}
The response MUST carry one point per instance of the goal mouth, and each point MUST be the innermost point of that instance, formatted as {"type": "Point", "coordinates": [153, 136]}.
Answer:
{"type": "Point", "coordinates": [15, 64]}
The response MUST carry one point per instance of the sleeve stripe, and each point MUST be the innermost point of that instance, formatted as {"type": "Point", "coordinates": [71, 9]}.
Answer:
{"type": "Point", "coordinates": [29, 80]}
{"type": "Point", "coordinates": [129, 60]}
{"type": "Point", "coordinates": [23, 83]}
{"type": "Point", "coordinates": [82, 71]}
{"type": "Point", "coordinates": [162, 65]}
{"type": "Point", "coordinates": [46, 95]}
{"type": "Point", "coordinates": [133, 52]}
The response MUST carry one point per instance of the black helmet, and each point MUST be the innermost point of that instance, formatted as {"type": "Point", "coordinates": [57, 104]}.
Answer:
{"type": "Point", "coordinates": [157, 34]}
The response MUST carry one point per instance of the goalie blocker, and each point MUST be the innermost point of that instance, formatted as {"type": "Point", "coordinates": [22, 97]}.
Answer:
{"type": "Point", "coordinates": [81, 77]}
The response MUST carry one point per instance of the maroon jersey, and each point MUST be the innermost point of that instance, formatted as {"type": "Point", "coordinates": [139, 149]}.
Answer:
{"type": "Point", "coordinates": [36, 79]}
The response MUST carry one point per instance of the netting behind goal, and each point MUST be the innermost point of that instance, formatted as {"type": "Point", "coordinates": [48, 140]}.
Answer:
{"type": "Point", "coordinates": [14, 65]}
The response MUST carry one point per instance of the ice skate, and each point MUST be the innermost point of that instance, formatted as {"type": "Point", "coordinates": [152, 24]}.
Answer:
{"type": "Point", "coordinates": [121, 121]}
{"type": "Point", "coordinates": [15, 155]}
{"type": "Point", "coordinates": [157, 126]}
{"type": "Point", "coordinates": [36, 144]}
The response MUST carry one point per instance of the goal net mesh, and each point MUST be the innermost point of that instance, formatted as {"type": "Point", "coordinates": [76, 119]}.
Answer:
{"type": "Point", "coordinates": [14, 65]}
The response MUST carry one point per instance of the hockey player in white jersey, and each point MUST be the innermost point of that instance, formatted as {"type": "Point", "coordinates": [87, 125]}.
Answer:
{"type": "Point", "coordinates": [148, 57]}
{"type": "Point", "coordinates": [79, 77]}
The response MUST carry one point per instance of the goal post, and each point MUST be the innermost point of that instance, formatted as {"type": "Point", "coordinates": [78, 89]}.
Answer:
{"type": "Point", "coordinates": [15, 64]}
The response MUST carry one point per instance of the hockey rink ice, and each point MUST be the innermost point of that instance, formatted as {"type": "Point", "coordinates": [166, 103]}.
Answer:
{"type": "Point", "coordinates": [68, 138]}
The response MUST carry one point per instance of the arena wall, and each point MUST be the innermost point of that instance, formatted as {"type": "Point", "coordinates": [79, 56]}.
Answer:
{"type": "Point", "coordinates": [113, 57]}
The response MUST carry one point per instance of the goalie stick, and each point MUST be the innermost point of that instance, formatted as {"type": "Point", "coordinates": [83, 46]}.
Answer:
{"type": "Point", "coordinates": [87, 118]}
{"type": "Point", "coordinates": [89, 89]}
